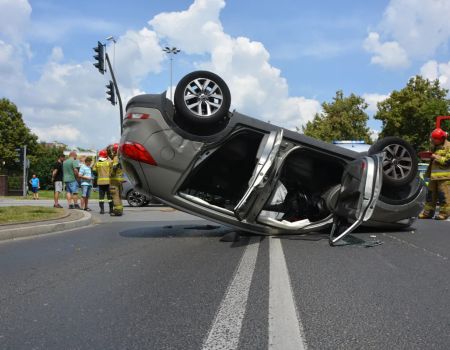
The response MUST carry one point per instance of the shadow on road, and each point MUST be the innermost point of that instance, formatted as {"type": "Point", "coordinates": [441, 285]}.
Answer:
{"type": "Point", "coordinates": [176, 231]}
{"type": "Point", "coordinates": [190, 231]}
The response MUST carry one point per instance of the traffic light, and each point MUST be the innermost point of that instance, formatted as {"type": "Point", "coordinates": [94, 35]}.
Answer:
{"type": "Point", "coordinates": [111, 93]}
{"type": "Point", "coordinates": [100, 57]}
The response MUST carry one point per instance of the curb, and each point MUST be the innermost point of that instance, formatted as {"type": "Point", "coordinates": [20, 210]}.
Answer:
{"type": "Point", "coordinates": [48, 227]}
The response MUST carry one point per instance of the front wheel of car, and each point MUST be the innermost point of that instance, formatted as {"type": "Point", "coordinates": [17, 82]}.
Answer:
{"type": "Point", "coordinates": [136, 199]}
{"type": "Point", "coordinates": [202, 98]}
{"type": "Point", "coordinates": [399, 161]}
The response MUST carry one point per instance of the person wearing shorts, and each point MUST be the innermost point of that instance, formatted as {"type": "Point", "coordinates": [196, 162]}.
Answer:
{"type": "Point", "coordinates": [85, 175]}
{"type": "Point", "coordinates": [35, 186]}
{"type": "Point", "coordinates": [70, 175]}
{"type": "Point", "coordinates": [57, 178]}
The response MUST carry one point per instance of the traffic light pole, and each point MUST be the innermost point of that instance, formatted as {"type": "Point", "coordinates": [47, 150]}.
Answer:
{"type": "Point", "coordinates": [117, 91]}
{"type": "Point", "coordinates": [24, 186]}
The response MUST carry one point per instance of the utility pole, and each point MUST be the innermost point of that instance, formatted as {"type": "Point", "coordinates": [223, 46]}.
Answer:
{"type": "Point", "coordinates": [24, 187]}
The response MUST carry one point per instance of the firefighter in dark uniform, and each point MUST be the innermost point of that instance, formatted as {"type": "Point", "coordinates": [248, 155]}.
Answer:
{"type": "Point", "coordinates": [439, 174]}
{"type": "Point", "coordinates": [103, 169]}
{"type": "Point", "coordinates": [116, 180]}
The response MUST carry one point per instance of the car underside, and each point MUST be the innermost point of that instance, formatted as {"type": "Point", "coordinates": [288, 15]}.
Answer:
{"type": "Point", "coordinates": [225, 166]}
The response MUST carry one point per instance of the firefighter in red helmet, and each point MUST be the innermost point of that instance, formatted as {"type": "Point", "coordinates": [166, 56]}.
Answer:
{"type": "Point", "coordinates": [103, 168]}
{"type": "Point", "coordinates": [439, 174]}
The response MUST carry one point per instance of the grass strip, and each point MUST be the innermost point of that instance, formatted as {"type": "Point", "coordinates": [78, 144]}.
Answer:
{"type": "Point", "coordinates": [28, 213]}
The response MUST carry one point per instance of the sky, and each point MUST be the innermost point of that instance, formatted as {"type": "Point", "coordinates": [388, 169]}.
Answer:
{"type": "Point", "coordinates": [280, 59]}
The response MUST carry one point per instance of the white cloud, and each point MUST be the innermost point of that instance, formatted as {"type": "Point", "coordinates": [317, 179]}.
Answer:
{"type": "Point", "coordinates": [196, 30]}
{"type": "Point", "coordinates": [257, 87]}
{"type": "Point", "coordinates": [67, 101]}
{"type": "Point", "coordinates": [419, 26]}
{"type": "Point", "coordinates": [138, 53]}
{"type": "Point", "coordinates": [433, 70]}
{"type": "Point", "coordinates": [14, 19]}
{"type": "Point", "coordinates": [58, 132]}
{"type": "Point", "coordinates": [372, 99]}
{"type": "Point", "coordinates": [415, 29]}
{"type": "Point", "coordinates": [388, 54]}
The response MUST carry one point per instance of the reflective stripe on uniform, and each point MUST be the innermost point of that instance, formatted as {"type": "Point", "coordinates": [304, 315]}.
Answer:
{"type": "Point", "coordinates": [437, 174]}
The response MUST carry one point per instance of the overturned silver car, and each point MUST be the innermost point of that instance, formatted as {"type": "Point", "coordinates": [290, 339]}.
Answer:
{"type": "Point", "coordinates": [199, 157]}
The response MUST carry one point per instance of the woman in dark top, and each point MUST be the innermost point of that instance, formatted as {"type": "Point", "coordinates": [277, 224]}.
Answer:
{"type": "Point", "coordinates": [57, 178]}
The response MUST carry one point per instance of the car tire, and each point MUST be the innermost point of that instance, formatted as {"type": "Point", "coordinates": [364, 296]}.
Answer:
{"type": "Point", "coordinates": [202, 98]}
{"type": "Point", "coordinates": [136, 199]}
{"type": "Point", "coordinates": [399, 162]}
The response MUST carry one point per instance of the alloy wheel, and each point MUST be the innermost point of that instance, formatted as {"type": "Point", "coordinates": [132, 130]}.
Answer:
{"type": "Point", "coordinates": [397, 162]}
{"type": "Point", "coordinates": [203, 97]}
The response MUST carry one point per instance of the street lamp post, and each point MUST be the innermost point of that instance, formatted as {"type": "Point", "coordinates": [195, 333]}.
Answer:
{"type": "Point", "coordinates": [113, 39]}
{"type": "Point", "coordinates": [171, 51]}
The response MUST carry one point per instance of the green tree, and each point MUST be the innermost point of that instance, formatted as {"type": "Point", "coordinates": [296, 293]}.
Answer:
{"type": "Point", "coordinates": [342, 119]}
{"type": "Point", "coordinates": [411, 112]}
{"type": "Point", "coordinates": [13, 134]}
{"type": "Point", "coordinates": [42, 162]}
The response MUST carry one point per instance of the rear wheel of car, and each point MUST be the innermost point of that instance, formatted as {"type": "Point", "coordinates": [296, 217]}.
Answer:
{"type": "Point", "coordinates": [202, 98]}
{"type": "Point", "coordinates": [136, 199]}
{"type": "Point", "coordinates": [399, 162]}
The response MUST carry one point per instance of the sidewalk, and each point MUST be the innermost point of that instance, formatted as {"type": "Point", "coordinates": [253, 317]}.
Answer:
{"type": "Point", "coordinates": [5, 201]}
{"type": "Point", "coordinates": [73, 219]}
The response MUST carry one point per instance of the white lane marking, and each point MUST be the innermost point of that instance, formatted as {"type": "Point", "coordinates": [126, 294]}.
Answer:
{"type": "Point", "coordinates": [285, 328]}
{"type": "Point", "coordinates": [225, 331]}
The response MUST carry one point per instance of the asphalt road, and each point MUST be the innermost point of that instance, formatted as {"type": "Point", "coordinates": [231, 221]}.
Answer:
{"type": "Point", "coordinates": [161, 279]}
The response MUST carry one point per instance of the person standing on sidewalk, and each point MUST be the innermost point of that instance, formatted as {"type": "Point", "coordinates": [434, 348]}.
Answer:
{"type": "Point", "coordinates": [86, 183]}
{"type": "Point", "coordinates": [57, 178]}
{"type": "Point", "coordinates": [103, 170]}
{"type": "Point", "coordinates": [116, 180]}
{"type": "Point", "coordinates": [35, 186]}
{"type": "Point", "coordinates": [70, 175]}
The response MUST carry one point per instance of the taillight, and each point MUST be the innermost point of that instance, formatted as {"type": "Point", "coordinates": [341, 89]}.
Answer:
{"type": "Point", "coordinates": [136, 151]}
{"type": "Point", "coordinates": [137, 116]}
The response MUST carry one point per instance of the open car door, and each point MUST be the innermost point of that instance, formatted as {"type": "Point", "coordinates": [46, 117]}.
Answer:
{"type": "Point", "coordinates": [360, 189]}
{"type": "Point", "coordinates": [260, 180]}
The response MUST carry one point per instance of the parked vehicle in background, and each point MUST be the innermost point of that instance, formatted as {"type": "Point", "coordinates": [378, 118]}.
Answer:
{"type": "Point", "coordinates": [136, 198]}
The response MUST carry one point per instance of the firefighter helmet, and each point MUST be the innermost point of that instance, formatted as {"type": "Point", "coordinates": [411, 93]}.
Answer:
{"type": "Point", "coordinates": [103, 154]}
{"type": "Point", "coordinates": [438, 134]}
{"type": "Point", "coordinates": [116, 148]}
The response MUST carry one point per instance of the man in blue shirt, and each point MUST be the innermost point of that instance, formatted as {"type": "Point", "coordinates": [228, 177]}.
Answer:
{"type": "Point", "coordinates": [35, 186]}
{"type": "Point", "coordinates": [85, 175]}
